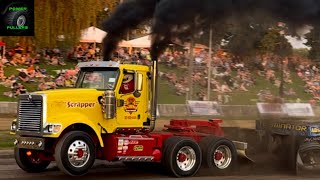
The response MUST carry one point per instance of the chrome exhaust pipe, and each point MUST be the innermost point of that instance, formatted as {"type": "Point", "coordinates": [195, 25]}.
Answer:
{"type": "Point", "coordinates": [154, 90]}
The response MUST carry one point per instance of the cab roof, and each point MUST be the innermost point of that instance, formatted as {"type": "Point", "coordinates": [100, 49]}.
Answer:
{"type": "Point", "coordinates": [112, 64]}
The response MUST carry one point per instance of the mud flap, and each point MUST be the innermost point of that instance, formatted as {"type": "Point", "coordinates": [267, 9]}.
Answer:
{"type": "Point", "coordinates": [241, 150]}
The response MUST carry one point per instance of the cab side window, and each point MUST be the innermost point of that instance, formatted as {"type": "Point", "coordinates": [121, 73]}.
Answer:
{"type": "Point", "coordinates": [127, 85]}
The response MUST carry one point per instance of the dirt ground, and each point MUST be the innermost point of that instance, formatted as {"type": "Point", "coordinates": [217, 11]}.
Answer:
{"type": "Point", "coordinates": [265, 166]}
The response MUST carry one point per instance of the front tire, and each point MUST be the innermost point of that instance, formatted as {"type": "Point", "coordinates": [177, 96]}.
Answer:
{"type": "Point", "coordinates": [31, 164]}
{"type": "Point", "coordinates": [75, 153]}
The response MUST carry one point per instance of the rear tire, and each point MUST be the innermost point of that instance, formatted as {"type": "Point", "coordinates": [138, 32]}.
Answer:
{"type": "Point", "coordinates": [75, 153]}
{"type": "Point", "coordinates": [307, 154]}
{"type": "Point", "coordinates": [29, 164]}
{"type": "Point", "coordinates": [219, 154]}
{"type": "Point", "coordinates": [182, 156]}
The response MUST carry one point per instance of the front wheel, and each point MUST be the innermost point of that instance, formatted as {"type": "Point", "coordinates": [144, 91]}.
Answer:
{"type": "Point", "coordinates": [32, 163]}
{"type": "Point", "coordinates": [75, 153]}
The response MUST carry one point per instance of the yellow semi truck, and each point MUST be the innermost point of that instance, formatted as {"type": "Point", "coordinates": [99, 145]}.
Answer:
{"type": "Point", "coordinates": [110, 115]}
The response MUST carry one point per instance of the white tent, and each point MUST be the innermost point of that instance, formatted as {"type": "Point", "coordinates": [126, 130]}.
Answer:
{"type": "Point", "coordinates": [142, 42]}
{"type": "Point", "coordinates": [92, 35]}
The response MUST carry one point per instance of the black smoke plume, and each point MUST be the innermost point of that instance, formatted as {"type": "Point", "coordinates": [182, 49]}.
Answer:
{"type": "Point", "coordinates": [127, 15]}
{"type": "Point", "coordinates": [180, 19]}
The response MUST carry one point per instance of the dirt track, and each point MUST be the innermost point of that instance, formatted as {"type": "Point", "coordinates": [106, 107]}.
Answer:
{"type": "Point", "coordinates": [116, 171]}
{"type": "Point", "coordinates": [264, 167]}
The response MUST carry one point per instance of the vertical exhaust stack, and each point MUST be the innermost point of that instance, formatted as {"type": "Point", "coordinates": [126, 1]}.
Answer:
{"type": "Point", "coordinates": [154, 90]}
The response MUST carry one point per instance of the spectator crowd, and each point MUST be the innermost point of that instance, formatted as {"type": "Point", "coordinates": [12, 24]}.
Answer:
{"type": "Point", "coordinates": [229, 74]}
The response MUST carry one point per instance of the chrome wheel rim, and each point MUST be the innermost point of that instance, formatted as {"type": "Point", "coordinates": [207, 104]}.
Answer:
{"type": "Point", "coordinates": [78, 154]}
{"type": "Point", "coordinates": [21, 20]}
{"type": "Point", "coordinates": [222, 157]}
{"type": "Point", "coordinates": [186, 158]}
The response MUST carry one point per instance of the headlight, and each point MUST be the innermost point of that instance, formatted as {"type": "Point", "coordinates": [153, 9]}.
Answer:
{"type": "Point", "coordinates": [52, 128]}
{"type": "Point", "coordinates": [13, 126]}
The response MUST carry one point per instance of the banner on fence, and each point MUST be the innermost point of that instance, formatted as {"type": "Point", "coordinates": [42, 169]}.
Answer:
{"type": "Point", "coordinates": [289, 109]}
{"type": "Point", "coordinates": [204, 108]}
{"type": "Point", "coordinates": [270, 108]}
{"type": "Point", "coordinates": [299, 109]}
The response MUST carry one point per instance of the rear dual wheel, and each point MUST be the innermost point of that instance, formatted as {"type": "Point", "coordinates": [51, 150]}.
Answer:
{"type": "Point", "coordinates": [219, 154]}
{"type": "Point", "coordinates": [182, 156]}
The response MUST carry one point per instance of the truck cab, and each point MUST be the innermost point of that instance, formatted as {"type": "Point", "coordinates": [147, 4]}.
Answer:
{"type": "Point", "coordinates": [56, 110]}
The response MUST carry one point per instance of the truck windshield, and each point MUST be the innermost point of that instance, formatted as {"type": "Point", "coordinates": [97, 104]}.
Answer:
{"type": "Point", "coordinates": [98, 79]}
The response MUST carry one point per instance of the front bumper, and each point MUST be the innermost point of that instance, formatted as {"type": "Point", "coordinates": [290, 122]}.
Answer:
{"type": "Point", "coordinates": [32, 143]}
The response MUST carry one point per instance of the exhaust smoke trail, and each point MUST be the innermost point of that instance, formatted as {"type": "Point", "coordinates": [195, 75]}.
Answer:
{"type": "Point", "coordinates": [180, 19]}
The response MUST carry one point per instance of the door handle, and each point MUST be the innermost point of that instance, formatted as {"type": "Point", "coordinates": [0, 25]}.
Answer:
{"type": "Point", "coordinates": [120, 102]}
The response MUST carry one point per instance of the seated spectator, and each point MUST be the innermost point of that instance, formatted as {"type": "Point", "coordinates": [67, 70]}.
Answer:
{"type": "Point", "coordinates": [50, 83]}
{"type": "Point", "coordinates": [54, 61]}
{"type": "Point", "coordinates": [60, 81]}
{"type": "Point", "coordinates": [39, 71]}
{"type": "Point", "coordinates": [225, 88]}
{"type": "Point", "coordinates": [22, 60]}
{"type": "Point", "coordinates": [23, 76]}
{"type": "Point", "coordinates": [5, 61]}
{"type": "Point", "coordinates": [61, 62]}
{"type": "Point", "coordinates": [14, 61]}
{"type": "Point", "coordinates": [42, 86]}
{"type": "Point", "coordinates": [20, 90]}
{"type": "Point", "coordinates": [290, 92]}
{"type": "Point", "coordinates": [2, 76]}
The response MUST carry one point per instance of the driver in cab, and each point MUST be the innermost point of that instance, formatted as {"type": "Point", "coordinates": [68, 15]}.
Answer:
{"type": "Point", "coordinates": [127, 85]}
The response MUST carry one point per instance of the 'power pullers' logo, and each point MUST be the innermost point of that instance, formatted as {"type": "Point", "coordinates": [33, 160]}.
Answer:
{"type": "Point", "coordinates": [17, 18]}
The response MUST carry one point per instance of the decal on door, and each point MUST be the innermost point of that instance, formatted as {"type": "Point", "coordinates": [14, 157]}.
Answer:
{"type": "Point", "coordinates": [131, 105]}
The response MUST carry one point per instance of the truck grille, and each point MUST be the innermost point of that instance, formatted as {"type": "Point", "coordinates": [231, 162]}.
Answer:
{"type": "Point", "coordinates": [30, 114]}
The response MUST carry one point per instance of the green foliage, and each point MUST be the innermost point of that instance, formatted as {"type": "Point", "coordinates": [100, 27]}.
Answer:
{"type": "Point", "coordinates": [314, 42]}
{"type": "Point", "coordinates": [304, 53]}
{"type": "Point", "coordinates": [274, 42]}
{"type": "Point", "coordinates": [6, 140]}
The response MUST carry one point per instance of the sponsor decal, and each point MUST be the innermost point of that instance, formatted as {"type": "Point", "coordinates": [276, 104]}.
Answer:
{"type": "Point", "coordinates": [133, 142]}
{"type": "Point", "coordinates": [130, 117]}
{"type": "Point", "coordinates": [126, 142]}
{"type": "Point", "coordinates": [131, 105]}
{"type": "Point", "coordinates": [293, 127]}
{"type": "Point", "coordinates": [120, 142]}
{"type": "Point", "coordinates": [310, 139]}
{"type": "Point", "coordinates": [314, 131]}
{"type": "Point", "coordinates": [138, 148]}
{"type": "Point", "coordinates": [80, 104]}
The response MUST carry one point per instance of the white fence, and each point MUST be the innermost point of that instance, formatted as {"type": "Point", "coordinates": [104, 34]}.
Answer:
{"type": "Point", "coordinates": [184, 110]}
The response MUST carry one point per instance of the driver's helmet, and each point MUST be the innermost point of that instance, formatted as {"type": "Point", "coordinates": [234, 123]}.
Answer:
{"type": "Point", "coordinates": [127, 78]}
{"type": "Point", "coordinates": [127, 85]}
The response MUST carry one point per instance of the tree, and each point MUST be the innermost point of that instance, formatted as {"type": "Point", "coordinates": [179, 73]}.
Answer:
{"type": "Point", "coordinates": [275, 42]}
{"type": "Point", "coordinates": [313, 38]}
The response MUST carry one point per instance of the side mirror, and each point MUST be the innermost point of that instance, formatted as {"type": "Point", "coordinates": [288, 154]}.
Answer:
{"type": "Point", "coordinates": [139, 81]}
{"type": "Point", "coordinates": [138, 84]}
